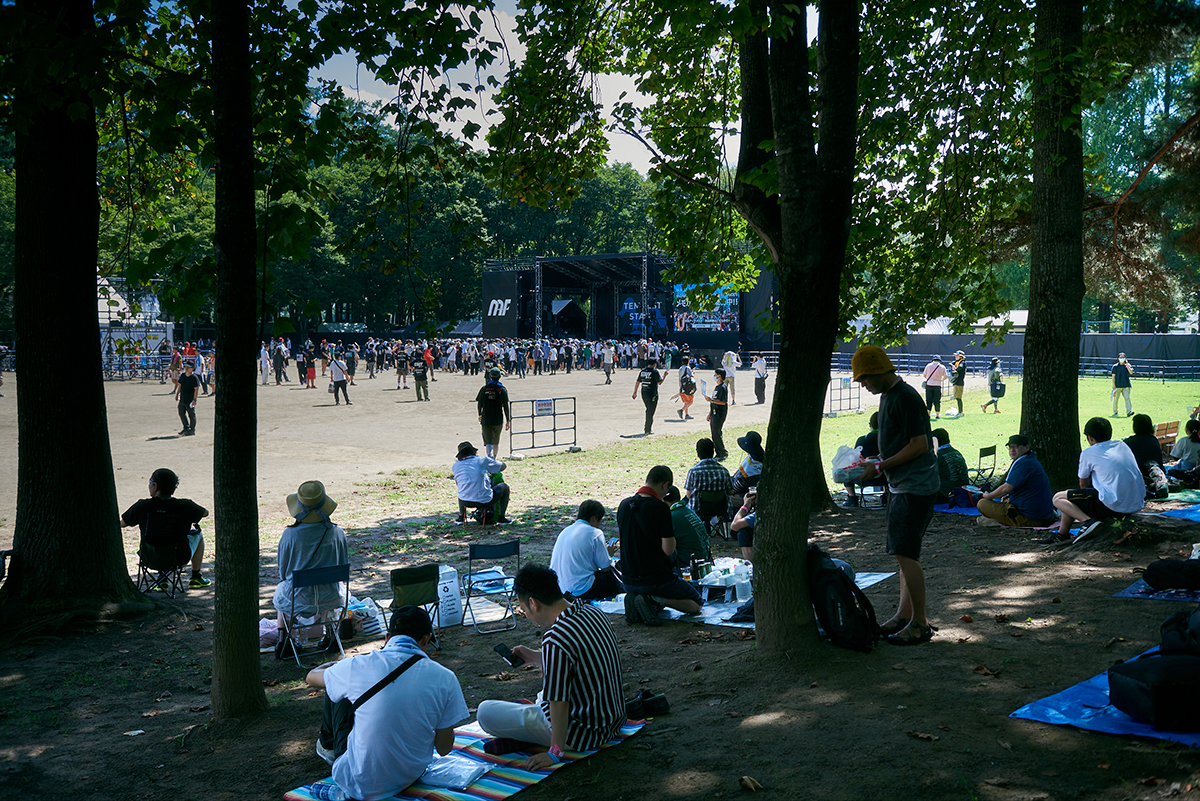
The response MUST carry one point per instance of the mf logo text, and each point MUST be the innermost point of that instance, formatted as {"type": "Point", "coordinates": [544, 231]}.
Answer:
{"type": "Point", "coordinates": [498, 308]}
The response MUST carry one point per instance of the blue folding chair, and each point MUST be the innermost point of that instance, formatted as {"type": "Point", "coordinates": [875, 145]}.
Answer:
{"type": "Point", "coordinates": [491, 582]}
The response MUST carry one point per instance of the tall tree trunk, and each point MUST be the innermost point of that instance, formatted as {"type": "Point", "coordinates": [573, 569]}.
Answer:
{"type": "Point", "coordinates": [67, 541]}
{"type": "Point", "coordinates": [237, 677]}
{"type": "Point", "coordinates": [814, 202]}
{"type": "Point", "coordinates": [1050, 413]}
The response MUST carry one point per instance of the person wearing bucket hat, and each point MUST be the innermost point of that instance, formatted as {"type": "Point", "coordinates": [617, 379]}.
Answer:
{"type": "Point", "coordinates": [479, 483]}
{"type": "Point", "coordinates": [494, 410]}
{"type": "Point", "coordinates": [749, 471]}
{"type": "Point", "coordinates": [910, 465]}
{"type": "Point", "coordinates": [311, 540]}
{"type": "Point", "coordinates": [995, 380]}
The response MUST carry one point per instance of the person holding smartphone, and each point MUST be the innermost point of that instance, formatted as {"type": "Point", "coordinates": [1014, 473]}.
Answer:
{"type": "Point", "coordinates": [582, 560]}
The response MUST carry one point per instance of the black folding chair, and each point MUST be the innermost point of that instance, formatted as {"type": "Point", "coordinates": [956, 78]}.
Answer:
{"type": "Point", "coordinates": [714, 503]}
{"type": "Point", "coordinates": [160, 567]}
{"type": "Point", "coordinates": [491, 582]}
{"type": "Point", "coordinates": [417, 586]}
{"type": "Point", "coordinates": [983, 472]}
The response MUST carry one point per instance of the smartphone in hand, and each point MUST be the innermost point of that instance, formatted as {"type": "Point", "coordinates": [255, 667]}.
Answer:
{"type": "Point", "coordinates": [508, 656]}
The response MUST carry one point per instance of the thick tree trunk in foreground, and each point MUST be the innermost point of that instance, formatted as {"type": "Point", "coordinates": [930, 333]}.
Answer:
{"type": "Point", "coordinates": [67, 540]}
{"type": "Point", "coordinates": [1050, 410]}
{"type": "Point", "coordinates": [237, 676]}
{"type": "Point", "coordinates": [814, 201]}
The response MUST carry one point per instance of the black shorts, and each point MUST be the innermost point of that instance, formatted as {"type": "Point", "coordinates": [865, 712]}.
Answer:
{"type": "Point", "coordinates": [1088, 501]}
{"type": "Point", "coordinates": [745, 537]}
{"type": "Point", "coordinates": [908, 516]}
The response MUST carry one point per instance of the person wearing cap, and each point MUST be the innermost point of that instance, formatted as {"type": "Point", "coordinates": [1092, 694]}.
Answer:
{"type": "Point", "coordinates": [910, 465]}
{"type": "Point", "coordinates": [167, 521]}
{"type": "Point", "coordinates": [1024, 499]}
{"type": "Point", "coordinates": [718, 406]}
{"type": "Point", "coordinates": [750, 470]}
{"type": "Point", "coordinates": [687, 387]}
{"type": "Point", "coordinates": [310, 540]}
{"type": "Point", "coordinates": [994, 379]}
{"type": "Point", "coordinates": [958, 379]}
{"type": "Point", "coordinates": [392, 736]}
{"type": "Point", "coordinates": [1110, 484]}
{"type": "Point", "coordinates": [648, 378]}
{"type": "Point", "coordinates": [1121, 386]}
{"type": "Point", "coordinates": [932, 377]}
{"type": "Point", "coordinates": [186, 390]}
{"type": "Point", "coordinates": [494, 410]}
{"type": "Point", "coordinates": [580, 706]}
{"type": "Point", "coordinates": [479, 484]}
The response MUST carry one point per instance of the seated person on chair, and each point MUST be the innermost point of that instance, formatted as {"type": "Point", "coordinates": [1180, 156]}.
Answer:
{"type": "Point", "coordinates": [743, 524]}
{"type": "Point", "coordinates": [750, 470]}
{"type": "Point", "coordinates": [1147, 452]}
{"type": "Point", "coordinates": [581, 558]}
{"type": "Point", "coordinates": [707, 475]}
{"type": "Point", "coordinates": [1026, 487]}
{"type": "Point", "coordinates": [311, 540]}
{"type": "Point", "coordinates": [476, 486]}
{"type": "Point", "coordinates": [1110, 483]}
{"type": "Point", "coordinates": [580, 706]}
{"type": "Point", "coordinates": [395, 731]}
{"type": "Point", "coordinates": [647, 552]}
{"type": "Point", "coordinates": [869, 445]}
{"type": "Point", "coordinates": [952, 467]}
{"type": "Point", "coordinates": [1187, 449]}
{"type": "Point", "coordinates": [691, 536]}
{"type": "Point", "coordinates": [167, 521]}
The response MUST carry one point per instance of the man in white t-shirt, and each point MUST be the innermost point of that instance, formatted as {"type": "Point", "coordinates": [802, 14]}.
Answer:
{"type": "Point", "coordinates": [606, 355]}
{"type": "Point", "coordinates": [1110, 484]}
{"type": "Point", "coordinates": [396, 730]}
{"type": "Point", "coordinates": [581, 558]}
{"type": "Point", "coordinates": [731, 362]}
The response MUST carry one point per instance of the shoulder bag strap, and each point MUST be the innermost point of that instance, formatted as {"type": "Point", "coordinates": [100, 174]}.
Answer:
{"type": "Point", "coordinates": [388, 679]}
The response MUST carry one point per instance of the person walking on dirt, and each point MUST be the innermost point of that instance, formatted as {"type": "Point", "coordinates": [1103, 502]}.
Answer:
{"type": "Point", "coordinates": [649, 379]}
{"type": "Point", "coordinates": [495, 412]}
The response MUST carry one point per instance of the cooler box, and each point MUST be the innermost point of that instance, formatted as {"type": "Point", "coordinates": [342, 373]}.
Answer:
{"type": "Point", "coordinates": [450, 607]}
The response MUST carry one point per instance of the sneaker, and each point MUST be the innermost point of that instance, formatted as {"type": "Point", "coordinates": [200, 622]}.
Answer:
{"type": "Point", "coordinates": [850, 503]}
{"type": "Point", "coordinates": [191, 432]}
{"type": "Point", "coordinates": [158, 586]}
{"type": "Point", "coordinates": [183, 433]}
{"type": "Point", "coordinates": [680, 413]}
{"type": "Point", "coordinates": [631, 614]}
{"type": "Point", "coordinates": [198, 582]}
{"type": "Point", "coordinates": [324, 753]}
{"type": "Point", "coordinates": [1129, 414]}
{"type": "Point", "coordinates": [983, 407]}
{"type": "Point", "coordinates": [648, 609]}
{"type": "Point", "coordinates": [1054, 539]}
{"type": "Point", "coordinates": [1088, 527]}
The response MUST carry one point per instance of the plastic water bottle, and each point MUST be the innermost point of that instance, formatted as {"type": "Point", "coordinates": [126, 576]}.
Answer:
{"type": "Point", "coordinates": [329, 791]}
{"type": "Point", "coordinates": [1195, 550]}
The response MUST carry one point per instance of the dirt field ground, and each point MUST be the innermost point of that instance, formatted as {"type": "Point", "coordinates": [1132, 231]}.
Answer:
{"type": "Point", "coordinates": [1017, 623]}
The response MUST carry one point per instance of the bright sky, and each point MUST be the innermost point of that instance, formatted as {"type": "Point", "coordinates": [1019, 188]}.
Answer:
{"type": "Point", "coordinates": [363, 86]}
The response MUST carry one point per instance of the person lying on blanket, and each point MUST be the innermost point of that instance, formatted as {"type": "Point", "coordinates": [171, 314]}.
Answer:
{"type": "Point", "coordinates": [580, 706]}
{"type": "Point", "coordinates": [1026, 488]}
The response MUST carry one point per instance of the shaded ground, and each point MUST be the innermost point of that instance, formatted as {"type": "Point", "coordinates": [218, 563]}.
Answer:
{"type": "Point", "coordinates": [925, 722]}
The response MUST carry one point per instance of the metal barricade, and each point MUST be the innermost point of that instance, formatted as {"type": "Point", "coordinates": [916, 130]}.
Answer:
{"type": "Point", "coordinates": [530, 419]}
{"type": "Point", "coordinates": [843, 395]}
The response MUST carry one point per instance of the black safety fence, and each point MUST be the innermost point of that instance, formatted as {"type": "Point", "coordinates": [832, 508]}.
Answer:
{"type": "Point", "coordinates": [542, 423]}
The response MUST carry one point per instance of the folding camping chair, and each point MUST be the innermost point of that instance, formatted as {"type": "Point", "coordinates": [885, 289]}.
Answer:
{"type": "Point", "coordinates": [714, 503]}
{"type": "Point", "coordinates": [983, 472]}
{"type": "Point", "coordinates": [160, 567]}
{"type": "Point", "coordinates": [491, 582]}
{"type": "Point", "coordinates": [294, 629]}
{"type": "Point", "coordinates": [417, 586]}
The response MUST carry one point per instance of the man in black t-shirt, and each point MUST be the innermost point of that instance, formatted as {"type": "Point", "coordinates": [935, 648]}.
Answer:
{"type": "Point", "coordinates": [647, 548]}
{"type": "Point", "coordinates": [401, 367]}
{"type": "Point", "coordinates": [494, 411]}
{"type": "Point", "coordinates": [185, 393]}
{"type": "Point", "coordinates": [420, 374]}
{"type": "Point", "coordinates": [648, 379]}
{"type": "Point", "coordinates": [718, 409]}
{"type": "Point", "coordinates": [168, 522]}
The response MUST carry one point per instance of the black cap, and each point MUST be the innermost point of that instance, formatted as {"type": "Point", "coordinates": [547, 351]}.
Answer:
{"type": "Point", "coordinates": [1019, 439]}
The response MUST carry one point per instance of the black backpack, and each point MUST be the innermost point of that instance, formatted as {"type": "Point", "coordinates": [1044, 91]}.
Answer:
{"type": "Point", "coordinates": [1173, 574]}
{"type": "Point", "coordinates": [844, 612]}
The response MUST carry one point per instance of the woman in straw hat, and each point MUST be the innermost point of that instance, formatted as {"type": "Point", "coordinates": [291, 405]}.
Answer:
{"type": "Point", "coordinates": [311, 540]}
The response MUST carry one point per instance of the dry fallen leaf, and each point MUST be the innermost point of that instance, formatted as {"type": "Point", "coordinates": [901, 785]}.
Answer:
{"type": "Point", "coordinates": [749, 783]}
{"type": "Point", "coordinates": [962, 639]}
{"type": "Point", "coordinates": [271, 683]}
{"type": "Point", "coordinates": [985, 671]}
{"type": "Point", "coordinates": [743, 634]}
{"type": "Point", "coordinates": [920, 735]}
{"type": "Point", "coordinates": [198, 708]}
{"type": "Point", "coordinates": [1104, 766]}
{"type": "Point", "coordinates": [1149, 781]}
{"type": "Point", "coordinates": [943, 727]}
{"type": "Point", "coordinates": [1056, 600]}
{"type": "Point", "coordinates": [967, 619]}
{"type": "Point", "coordinates": [152, 714]}
{"type": "Point", "coordinates": [698, 666]}
{"type": "Point", "coordinates": [1001, 618]}
{"type": "Point", "coordinates": [198, 627]}
{"type": "Point", "coordinates": [1004, 745]}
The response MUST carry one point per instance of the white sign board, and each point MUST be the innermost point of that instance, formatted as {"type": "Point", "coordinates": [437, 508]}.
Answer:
{"type": "Point", "coordinates": [542, 408]}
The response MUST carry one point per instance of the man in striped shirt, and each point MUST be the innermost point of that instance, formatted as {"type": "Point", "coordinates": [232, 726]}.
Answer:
{"type": "Point", "coordinates": [580, 706]}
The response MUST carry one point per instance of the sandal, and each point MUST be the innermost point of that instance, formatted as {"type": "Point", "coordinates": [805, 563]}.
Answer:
{"type": "Point", "coordinates": [893, 626]}
{"type": "Point", "coordinates": [924, 634]}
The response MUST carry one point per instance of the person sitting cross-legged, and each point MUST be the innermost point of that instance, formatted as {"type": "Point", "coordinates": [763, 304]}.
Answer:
{"type": "Point", "coordinates": [582, 560]}
{"type": "Point", "coordinates": [1110, 484]}
{"type": "Point", "coordinates": [580, 706]}
{"type": "Point", "coordinates": [952, 466]}
{"type": "Point", "coordinates": [1026, 487]}
{"type": "Point", "coordinates": [393, 733]}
